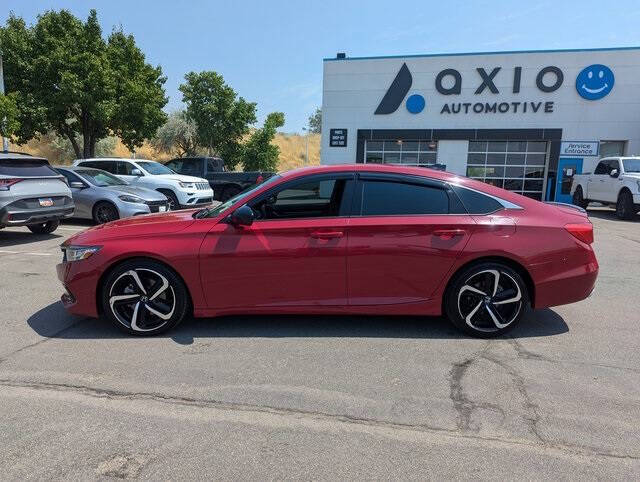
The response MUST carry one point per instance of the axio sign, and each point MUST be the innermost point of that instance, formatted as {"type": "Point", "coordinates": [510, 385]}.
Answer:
{"type": "Point", "coordinates": [592, 83]}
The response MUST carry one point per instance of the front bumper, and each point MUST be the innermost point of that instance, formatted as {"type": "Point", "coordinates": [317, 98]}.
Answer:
{"type": "Point", "coordinates": [80, 281]}
{"type": "Point", "coordinates": [636, 199]}
{"type": "Point", "coordinates": [12, 215]}
{"type": "Point", "coordinates": [195, 198]}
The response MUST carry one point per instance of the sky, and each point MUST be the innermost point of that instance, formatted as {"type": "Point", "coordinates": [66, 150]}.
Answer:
{"type": "Point", "coordinates": [271, 51]}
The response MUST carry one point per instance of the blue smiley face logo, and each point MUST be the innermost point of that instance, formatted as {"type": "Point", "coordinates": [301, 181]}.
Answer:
{"type": "Point", "coordinates": [594, 82]}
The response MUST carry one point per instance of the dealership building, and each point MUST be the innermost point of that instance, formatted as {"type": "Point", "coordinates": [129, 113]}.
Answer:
{"type": "Point", "coordinates": [526, 121]}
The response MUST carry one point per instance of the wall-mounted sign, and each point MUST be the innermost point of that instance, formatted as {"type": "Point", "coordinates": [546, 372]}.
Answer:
{"type": "Point", "coordinates": [579, 148]}
{"type": "Point", "coordinates": [337, 137]}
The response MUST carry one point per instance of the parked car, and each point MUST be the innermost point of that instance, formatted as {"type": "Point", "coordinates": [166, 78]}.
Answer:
{"type": "Point", "coordinates": [225, 184]}
{"type": "Point", "coordinates": [360, 239]}
{"type": "Point", "coordinates": [181, 191]}
{"type": "Point", "coordinates": [615, 182]}
{"type": "Point", "coordinates": [32, 194]}
{"type": "Point", "coordinates": [104, 197]}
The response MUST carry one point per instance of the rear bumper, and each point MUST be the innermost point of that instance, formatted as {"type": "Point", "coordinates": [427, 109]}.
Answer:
{"type": "Point", "coordinates": [569, 287]}
{"type": "Point", "coordinates": [11, 216]}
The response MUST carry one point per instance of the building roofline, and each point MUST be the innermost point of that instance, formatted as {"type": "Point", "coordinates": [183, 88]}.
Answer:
{"type": "Point", "coordinates": [460, 54]}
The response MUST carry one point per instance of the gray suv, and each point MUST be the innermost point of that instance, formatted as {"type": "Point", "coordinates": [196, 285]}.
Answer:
{"type": "Point", "coordinates": [32, 194]}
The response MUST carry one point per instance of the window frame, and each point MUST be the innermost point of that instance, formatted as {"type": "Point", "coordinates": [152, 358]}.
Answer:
{"type": "Point", "coordinates": [604, 165]}
{"type": "Point", "coordinates": [455, 206]}
{"type": "Point", "coordinates": [346, 203]}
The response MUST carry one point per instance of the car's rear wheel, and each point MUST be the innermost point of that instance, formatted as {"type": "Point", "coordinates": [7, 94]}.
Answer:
{"type": "Point", "coordinates": [624, 206]}
{"type": "Point", "coordinates": [44, 228]}
{"type": "Point", "coordinates": [486, 300]}
{"type": "Point", "coordinates": [578, 198]}
{"type": "Point", "coordinates": [144, 297]}
{"type": "Point", "coordinates": [104, 212]}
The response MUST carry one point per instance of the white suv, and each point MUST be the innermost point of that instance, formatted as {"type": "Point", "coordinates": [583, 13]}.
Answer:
{"type": "Point", "coordinates": [181, 191]}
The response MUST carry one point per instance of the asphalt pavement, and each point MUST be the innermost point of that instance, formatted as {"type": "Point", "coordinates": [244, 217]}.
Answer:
{"type": "Point", "coordinates": [320, 397]}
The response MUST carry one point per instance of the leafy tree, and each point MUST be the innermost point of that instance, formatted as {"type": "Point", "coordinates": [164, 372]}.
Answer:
{"type": "Point", "coordinates": [315, 122]}
{"type": "Point", "coordinates": [9, 122]}
{"type": "Point", "coordinates": [178, 133]}
{"type": "Point", "coordinates": [222, 118]}
{"type": "Point", "coordinates": [71, 81]}
{"type": "Point", "coordinates": [259, 154]}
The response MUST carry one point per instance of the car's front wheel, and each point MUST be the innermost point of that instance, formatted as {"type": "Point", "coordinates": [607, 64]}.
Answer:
{"type": "Point", "coordinates": [486, 300]}
{"type": "Point", "coordinates": [144, 297]}
{"type": "Point", "coordinates": [44, 228]}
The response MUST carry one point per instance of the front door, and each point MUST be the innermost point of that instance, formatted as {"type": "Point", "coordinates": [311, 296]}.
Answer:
{"type": "Point", "coordinates": [293, 255]}
{"type": "Point", "coordinates": [403, 241]}
{"type": "Point", "coordinates": [567, 168]}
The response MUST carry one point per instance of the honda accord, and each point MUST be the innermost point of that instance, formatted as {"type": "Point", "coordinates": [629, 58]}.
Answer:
{"type": "Point", "coordinates": [359, 239]}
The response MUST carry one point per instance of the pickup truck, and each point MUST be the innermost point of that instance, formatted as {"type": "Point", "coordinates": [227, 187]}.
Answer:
{"type": "Point", "coordinates": [225, 184]}
{"type": "Point", "coordinates": [615, 182]}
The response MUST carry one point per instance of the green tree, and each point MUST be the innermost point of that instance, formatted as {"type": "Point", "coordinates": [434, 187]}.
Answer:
{"type": "Point", "coordinates": [315, 122]}
{"type": "Point", "coordinates": [9, 122]}
{"type": "Point", "coordinates": [71, 81]}
{"type": "Point", "coordinates": [222, 118]}
{"type": "Point", "coordinates": [259, 154]}
{"type": "Point", "coordinates": [177, 134]}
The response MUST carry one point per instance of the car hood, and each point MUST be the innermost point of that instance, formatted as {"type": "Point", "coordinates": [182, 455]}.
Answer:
{"type": "Point", "coordinates": [633, 175]}
{"type": "Point", "coordinates": [143, 192]}
{"type": "Point", "coordinates": [150, 224]}
{"type": "Point", "coordinates": [180, 177]}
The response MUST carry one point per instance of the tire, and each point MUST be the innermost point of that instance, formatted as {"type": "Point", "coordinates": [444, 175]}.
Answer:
{"type": "Point", "coordinates": [624, 207]}
{"type": "Point", "coordinates": [44, 228]}
{"type": "Point", "coordinates": [475, 304]}
{"type": "Point", "coordinates": [229, 192]}
{"type": "Point", "coordinates": [144, 297]}
{"type": "Point", "coordinates": [172, 199]}
{"type": "Point", "coordinates": [578, 198]}
{"type": "Point", "coordinates": [105, 212]}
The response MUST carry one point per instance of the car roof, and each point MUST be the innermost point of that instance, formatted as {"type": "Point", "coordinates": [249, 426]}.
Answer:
{"type": "Point", "coordinates": [414, 171]}
{"type": "Point", "coordinates": [20, 155]}
{"type": "Point", "coordinates": [113, 159]}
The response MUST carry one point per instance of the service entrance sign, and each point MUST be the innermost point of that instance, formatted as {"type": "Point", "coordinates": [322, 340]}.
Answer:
{"type": "Point", "coordinates": [579, 148]}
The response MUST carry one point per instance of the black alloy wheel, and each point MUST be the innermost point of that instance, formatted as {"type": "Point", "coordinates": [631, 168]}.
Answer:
{"type": "Point", "coordinates": [104, 212]}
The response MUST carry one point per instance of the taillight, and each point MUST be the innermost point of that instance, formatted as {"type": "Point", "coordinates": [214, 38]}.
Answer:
{"type": "Point", "coordinates": [5, 184]}
{"type": "Point", "coordinates": [582, 231]}
{"type": "Point", "coordinates": [259, 179]}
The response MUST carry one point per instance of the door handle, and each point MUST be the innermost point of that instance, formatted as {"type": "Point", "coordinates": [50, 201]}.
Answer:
{"type": "Point", "coordinates": [449, 233]}
{"type": "Point", "coordinates": [326, 234]}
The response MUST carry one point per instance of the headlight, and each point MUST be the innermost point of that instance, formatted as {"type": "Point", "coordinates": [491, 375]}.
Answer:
{"type": "Point", "coordinates": [76, 253]}
{"type": "Point", "coordinates": [188, 185]}
{"type": "Point", "coordinates": [131, 199]}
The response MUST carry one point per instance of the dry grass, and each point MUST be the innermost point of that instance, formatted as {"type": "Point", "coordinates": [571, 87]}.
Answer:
{"type": "Point", "coordinates": [292, 150]}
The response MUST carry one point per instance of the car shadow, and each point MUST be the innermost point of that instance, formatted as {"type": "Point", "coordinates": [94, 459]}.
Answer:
{"type": "Point", "coordinates": [17, 238]}
{"type": "Point", "coordinates": [54, 322]}
{"type": "Point", "coordinates": [610, 215]}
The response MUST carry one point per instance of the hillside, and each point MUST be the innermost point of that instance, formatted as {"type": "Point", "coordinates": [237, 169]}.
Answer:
{"type": "Point", "coordinates": [292, 150]}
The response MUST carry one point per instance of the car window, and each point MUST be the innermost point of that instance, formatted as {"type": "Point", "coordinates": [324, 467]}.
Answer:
{"type": "Point", "coordinates": [385, 198]}
{"type": "Point", "coordinates": [124, 168]}
{"type": "Point", "coordinates": [631, 165]}
{"type": "Point", "coordinates": [109, 166]}
{"type": "Point", "coordinates": [100, 178]}
{"type": "Point", "coordinates": [601, 168]}
{"type": "Point", "coordinates": [187, 167]}
{"type": "Point", "coordinates": [155, 168]}
{"type": "Point", "coordinates": [71, 177]}
{"type": "Point", "coordinates": [475, 202]}
{"type": "Point", "coordinates": [215, 165]}
{"type": "Point", "coordinates": [613, 164]}
{"type": "Point", "coordinates": [26, 167]}
{"type": "Point", "coordinates": [305, 199]}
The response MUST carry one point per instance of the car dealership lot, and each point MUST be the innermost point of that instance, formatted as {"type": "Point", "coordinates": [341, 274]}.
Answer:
{"type": "Point", "coordinates": [320, 397]}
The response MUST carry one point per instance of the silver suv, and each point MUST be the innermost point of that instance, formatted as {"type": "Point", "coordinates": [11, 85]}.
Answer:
{"type": "Point", "coordinates": [32, 194]}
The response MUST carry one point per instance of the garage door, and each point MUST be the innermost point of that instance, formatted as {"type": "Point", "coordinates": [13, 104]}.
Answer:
{"type": "Point", "coordinates": [416, 153]}
{"type": "Point", "coordinates": [514, 165]}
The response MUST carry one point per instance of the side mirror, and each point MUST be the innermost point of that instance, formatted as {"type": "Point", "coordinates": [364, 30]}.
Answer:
{"type": "Point", "coordinates": [77, 185]}
{"type": "Point", "coordinates": [136, 172]}
{"type": "Point", "coordinates": [243, 216]}
{"type": "Point", "coordinates": [614, 173]}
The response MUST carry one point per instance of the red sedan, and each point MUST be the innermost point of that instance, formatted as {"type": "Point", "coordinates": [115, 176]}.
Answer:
{"type": "Point", "coordinates": [357, 239]}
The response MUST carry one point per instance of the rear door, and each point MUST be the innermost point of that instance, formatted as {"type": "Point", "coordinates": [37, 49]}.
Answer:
{"type": "Point", "coordinates": [403, 238]}
{"type": "Point", "coordinates": [294, 253]}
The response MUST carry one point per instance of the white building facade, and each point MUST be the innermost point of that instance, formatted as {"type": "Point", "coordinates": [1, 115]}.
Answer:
{"type": "Point", "coordinates": [525, 121]}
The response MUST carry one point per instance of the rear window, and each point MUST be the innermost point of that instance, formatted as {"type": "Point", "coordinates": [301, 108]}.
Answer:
{"type": "Point", "coordinates": [26, 167]}
{"type": "Point", "coordinates": [475, 202]}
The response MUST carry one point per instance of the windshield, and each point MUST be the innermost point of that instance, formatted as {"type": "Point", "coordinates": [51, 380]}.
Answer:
{"type": "Point", "coordinates": [631, 165]}
{"type": "Point", "coordinates": [215, 210]}
{"type": "Point", "coordinates": [100, 178]}
{"type": "Point", "coordinates": [154, 168]}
